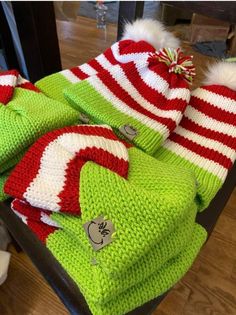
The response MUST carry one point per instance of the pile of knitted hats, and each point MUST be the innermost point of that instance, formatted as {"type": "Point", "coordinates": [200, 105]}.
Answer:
{"type": "Point", "coordinates": [115, 200]}
{"type": "Point", "coordinates": [25, 115]}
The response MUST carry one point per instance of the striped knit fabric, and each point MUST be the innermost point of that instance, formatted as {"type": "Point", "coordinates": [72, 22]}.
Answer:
{"type": "Point", "coordinates": [53, 175]}
{"type": "Point", "coordinates": [205, 140]}
{"type": "Point", "coordinates": [25, 114]}
{"type": "Point", "coordinates": [145, 94]}
{"type": "Point", "coordinates": [65, 151]}
{"type": "Point", "coordinates": [120, 52]}
{"type": "Point", "coordinates": [8, 81]}
{"type": "Point", "coordinates": [117, 296]}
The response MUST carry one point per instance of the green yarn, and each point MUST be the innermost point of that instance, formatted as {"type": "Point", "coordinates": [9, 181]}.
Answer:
{"type": "Point", "coordinates": [53, 86]}
{"type": "Point", "coordinates": [83, 97]}
{"type": "Point", "coordinates": [3, 178]}
{"type": "Point", "coordinates": [28, 116]}
{"type": "Point", "coordinates": [102, 287]}
{"type": "Point", "coordinates": [208, 183]}
{"type": "Point", "coordinates": [67, 252]}
{"type": "Point", "coordinates": [144, 209]}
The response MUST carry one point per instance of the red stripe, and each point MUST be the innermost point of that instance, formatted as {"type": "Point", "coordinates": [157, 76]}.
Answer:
{"type": "Point", "coordinates": [207, 153]}
{"type": "Point", "coordinates": [127, 47]}
{"type": "Point", "coordinates": [212, 111]}
{"type": "Point", "coordinates": [119, 92]}
{"type": "Point", "coordinates": [6, 92]}
{"type": "Point", "coordinates": [69, 196]}
{"type": "Point", "coordinates": [79, 73]}
{"type": "Point", "coordinates": [27, 169]}
{"type": "Point", "coordinates": [152, 95]}
{"type": "Point", "coordinates": [174, 80]}
{"type": "Point", "coordinates": [26, 209]}
{"type": "Point", "coordinates": [95, 65]}
{"type": "Point", "coordinates": [29, 211]}
{"type": "Point", "coordinates": [29, 86]}
{"type": "Point", "coordinates": [10, 72]}
{"type": "Point", "coordinates": [41, 230]}
{"type": "Point", "coordinates": [221, 90]}
{"type": "Point", "coordinates": [208, 133]}
{"type": "Point", "coordinates": [110, 57]}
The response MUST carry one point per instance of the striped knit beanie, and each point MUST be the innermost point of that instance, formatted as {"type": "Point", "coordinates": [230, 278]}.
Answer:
{"type": "Point", "coordinates": [26, 114]}
{"type": "Point", "coordinates": [142, 282]}
{"type": "Point", "coordinates": [144, 100]}
{"type": "Point", "coordinates": [139, 39]}
{"type": "Point", "coordinates": [205, 140]}
{"type": "Point", "coordinates": [97, 175]}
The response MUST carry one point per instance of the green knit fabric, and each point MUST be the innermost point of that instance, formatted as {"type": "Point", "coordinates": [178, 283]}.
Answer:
{"type": "Point", "coordinates": [102, 288]}
{"type": "Point", "coordinates": [53, 86]}
{"type": "Point", "coordinates": [12, 162]}
{"type": "Point", "coordinates": [3, 178]}
{"type": "Point", "coordinates": [86, 99]}
{"type": "Point", "coordinates": [67, 252]}
{"type": "Point", "coordinates": [26, 117]}
{"type": "Point", "coordinates": [144, 209]}
{"type": "Point", "coordinates": [208, 183]}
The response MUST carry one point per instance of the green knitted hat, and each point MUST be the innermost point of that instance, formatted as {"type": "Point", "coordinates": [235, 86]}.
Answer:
{"type": "Point", "coordinates": [25, 115]}
{"type": "Point", "coordinates": [100, 286]}
{"type": "Point", "coordinates": [3, 178]}
{"type": "Point", "coordinates": [142, 282]}
{"type": "Point", "coordinates": [87, 170]}
{"type": "Point", "coordinates": [155, 285]}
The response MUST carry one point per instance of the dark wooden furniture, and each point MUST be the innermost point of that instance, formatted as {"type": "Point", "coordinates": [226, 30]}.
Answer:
{"type": "Point", "coordinates": [59, 280]}
{"type": "Point", "coordinates": [36, 26]}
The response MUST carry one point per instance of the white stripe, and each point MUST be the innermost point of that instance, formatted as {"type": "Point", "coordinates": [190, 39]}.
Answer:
{"type": "Point", "coordinates": [118, 74]}
{"type": "Point", "coordinates": [156, 82]}
{"type": "Point", "coordinates": [47, 220]}
{"type": "Point", "coordinates": [206, 142]}
{"type": "Point", "coordinates": [122, 107]}
{"type": "Point", "coordinates": [124, 58]}
{"type": "Point", "coordinates": [43, 191]}
{"type": "Point", "coordinates": [208, 122]}
{"type": "Point", "coordinates": [196, 159]}
{"type": "Point", "coordinates": [104, 62]}
{"type": "Point", "coordinates": [222, 102]}
{"type": "Point", "coordinates": [70, 76]}
{"type": "Point", "coordinates": [87, 69]}
{"type": "Point", "coordinates": [8, 79]}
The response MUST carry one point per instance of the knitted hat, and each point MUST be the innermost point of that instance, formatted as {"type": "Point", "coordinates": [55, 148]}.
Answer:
{"type": "Point", "coordinates": [90, 279]}
{"type": "Point", "coordinates": [140, 38]}
{"type": "Point", "coordinates": [105, 290]}
{"type": "Point", "coordinates": [143, 99]}
{"type": "Point", "coordinates": [157, 195]}
{"type": "Point", "coordinates": [26, 114]}
{"type": "Point", "coordinates": [53, 165]}
{"type": "Point", "coordinates": [3, 178]}
{"type": "Point", "coordinates": [205, 140]}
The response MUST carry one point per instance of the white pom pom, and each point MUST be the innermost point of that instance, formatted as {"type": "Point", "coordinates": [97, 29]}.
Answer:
{"type": "Point", "coordinates": [222, 73]}
{"type": "Point", "coordinates": [151, 31]}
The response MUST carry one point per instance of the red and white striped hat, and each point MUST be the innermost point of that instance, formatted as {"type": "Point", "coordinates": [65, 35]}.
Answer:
{"type": "Point", "coordinates": [53, 164]}
{"type": "Point", "coordinates": [139, 39]}
{"type": "Point", "coordinates": [8, 81]}
{"type": "Point", "coordinates": [143, 99]}
{"type": "Point", "coordinates": [205, 139]}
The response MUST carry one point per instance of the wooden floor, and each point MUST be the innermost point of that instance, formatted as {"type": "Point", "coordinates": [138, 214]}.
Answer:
{"type": "Point", "coordinates": [209, 288]}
